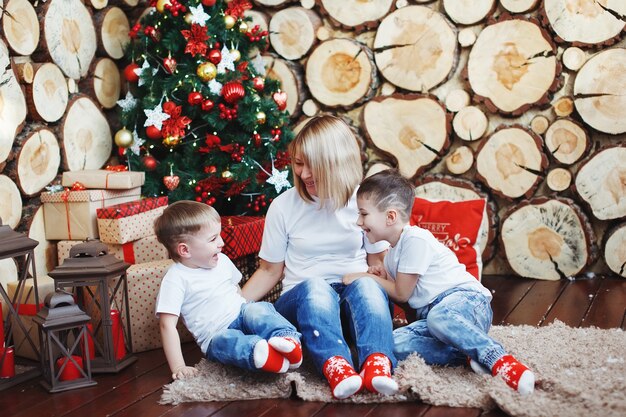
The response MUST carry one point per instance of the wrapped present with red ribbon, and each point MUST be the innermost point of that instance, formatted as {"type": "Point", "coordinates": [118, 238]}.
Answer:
{"type": "Point", "coordinates": [242, 235]}
{"type": "Point", "coordinates": [111, 178]}
{"type": "Point", "coordinates": [71, 215]}
{"type": "Point", "coordinates": [142, 250]}
{"type": "Point", "coordinates": [130, 221]}
{"type": "Point", "coordinates": [27, 310]}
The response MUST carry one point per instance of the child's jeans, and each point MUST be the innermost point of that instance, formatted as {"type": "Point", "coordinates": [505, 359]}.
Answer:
{"type": "Point", "coordinates": [451, 328]}
{"type": "Point", "coordinates": [256, 321]}
{"type": "Point", "coordinates": [316, 308]}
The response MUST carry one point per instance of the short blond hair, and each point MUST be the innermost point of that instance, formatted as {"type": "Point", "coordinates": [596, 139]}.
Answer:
{"type": "Point", "coordinates": [181, 219]}
{"type": "Point", "coordinates": [328, 146]}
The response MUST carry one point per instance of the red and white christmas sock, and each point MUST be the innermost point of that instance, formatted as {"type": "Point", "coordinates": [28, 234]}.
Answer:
{"type": "Point", "coordinates": [516, 374]}
{"type": "Point", "coordinates": [289, 348]}
{"type": "Point", "coordinates": [376, 374]}
{"type": "Point", "coordinates": [269, 359]}
{"type": "Point", "coordinates": [343, 379]}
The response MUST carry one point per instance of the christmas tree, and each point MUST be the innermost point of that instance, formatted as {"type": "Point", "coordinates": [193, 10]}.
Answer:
{"type": "Point", "coordinates": [200, 117]}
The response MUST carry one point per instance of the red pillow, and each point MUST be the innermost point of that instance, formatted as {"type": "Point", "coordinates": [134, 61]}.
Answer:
{"type": "Point", "coordinates": [456, 224]}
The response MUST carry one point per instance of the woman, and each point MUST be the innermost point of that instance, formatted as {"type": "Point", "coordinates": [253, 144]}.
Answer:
{"type": "Point", "coordinates": [311, 238]}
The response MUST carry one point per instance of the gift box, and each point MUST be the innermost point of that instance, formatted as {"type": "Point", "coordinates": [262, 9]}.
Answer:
{"type": "Point", "coordinates": [131, 221]}
{"type": "Point", "coordinates": [242, 235]}
{"type": "Point", "coordinates": [142, 250]}
{"type": "Point", "coordinates": [102, 178]}
{"type": "Point", "coordinates": [71, 215]}
{"type": "Point", "coordinates": [27, 311]}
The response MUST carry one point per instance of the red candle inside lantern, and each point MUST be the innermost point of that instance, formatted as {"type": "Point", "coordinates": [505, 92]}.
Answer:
{"type": "Point", "coordinates": [92, 349]}
{"type": "Point", "coordinates": [7, 363]}
{"type": "Point", "coordinates": [118, 335]}
{"type": "Point", "coordinates": [70, 372]}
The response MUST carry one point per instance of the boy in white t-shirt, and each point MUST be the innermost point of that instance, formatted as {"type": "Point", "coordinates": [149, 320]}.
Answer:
{"type": "Point", "coordinates": [202, 287]}
{"type": "Point", "coordinates": [452, 308]}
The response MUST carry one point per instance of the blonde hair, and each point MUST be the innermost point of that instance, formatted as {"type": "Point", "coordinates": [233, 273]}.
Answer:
{"type": "Point", "coordinates": [181, 219]}
{"type": "Point", "coordinates": [329, 147]}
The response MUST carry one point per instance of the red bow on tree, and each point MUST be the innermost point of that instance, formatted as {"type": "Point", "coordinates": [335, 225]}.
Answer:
{"type": "Point", "coordinates": [196, 39]}
{"type": "Point", "coordinates": [236, 8]}
{"type": "Point", "coordinates": [176, 124]}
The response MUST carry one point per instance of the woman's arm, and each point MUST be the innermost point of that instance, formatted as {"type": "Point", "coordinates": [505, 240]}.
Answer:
{"type": "Point", "coordinates": [263, 280]}
{"type": "Point", "coordinates": [171, 347]}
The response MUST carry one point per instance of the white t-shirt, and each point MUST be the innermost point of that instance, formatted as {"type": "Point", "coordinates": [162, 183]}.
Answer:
{"type": "Point", "coordinates": [314, 243]}
{"type": "Point", "coordinates": [419, 252]}
{"type": "Point", "coordinates": [208, 300]}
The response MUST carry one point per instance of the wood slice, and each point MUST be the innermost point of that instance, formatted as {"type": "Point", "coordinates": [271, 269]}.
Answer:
{"type": "Point", "coordinates": [310, 108]}
{"type": "Point", "coordinates": [518, 6]}
{"type": "Point", "coordinates": [564, 106]}
{"type": "Point", "coordinates": [112, 27]}
{"type": "Point", "coordinates": [24, 71]}
{"type": "Point", "coordinates": [98, 4]}
{"type": "Point", "coordinates": [470, 123]}
{"type": "Point", "coordinates": [47, 95]}
{"type": "Point", "coordinates": [444, 187]}
{"type": "Point", "coordinates": [356, 15]}
{"type": "Point", "coordinates": [32, 224]}
{"type": "Point", "coordinates": [599, 91]}
{"type": "Point", "coordinates": [567, 141]}
{"type": "Point", "coordinates": [258, 18]}
{"type": "Point", "coordinates": [601, 182]}
{"type": "Point", "coordinates": [539, 124]}
{"type": "Point", "coordinates": [323, 33]}
{"type": "Point", "coordinates": [585, 23]}
{"type": "Point", "coordinates": [341, 73]}
{"type": "Point", "coordinates": [272, 3]}
{"type": "Point", "coordinates": [615, 249]}
{"type": "Point", "coordinates": [415, 48]}
{"type": "Point", "coordinates": [414, 129]}
{"type": "Point", "coordinates": [573, 58]}
{"type": "Point", "coordinates": [290, 76]}
{"type": "Point", "coordinates": [21, 27]}
{"type": "Point", "coordinates": [466, 37]}
{"type": "Point", "coordinates": [8, 273]}
{"type": "Point", "coordinates": [510, 162]}
{"type": "Point", "coordinates": [37, 161]}
{"type": "Point", "coordinates": [468, 12]}
{"type": "Point", "coordinates": [376, 167]}
{"type": "Point", "coordinates": [457, 99]}
{"type": "Point", "coordinates": [125, 4]}
{"type": "Point", "coordinates": [292, 31]}
{"type": "Point", "coordinates": [104, 84]}
{"type": "Point", "coordinates": [69, 36]}
{"type": "Point", "coordinates": [460, 160]}
{"type": "Point", "coordinates": [547, 239]}
{"type": "Point", "coordinates": [85, 135]}
{"type": "Point", "coordinates": [513, 66]}
{"type": "Point", "coordinates": [307, 4]}
{"type": "Point", "coordinates": [12, 104]}
{"type": "Point", "coordinates": [10, 202]}
{"type": "Point", "coordinates": [559, 179]}
{"type": "Point", "coordinates": [387, 89]}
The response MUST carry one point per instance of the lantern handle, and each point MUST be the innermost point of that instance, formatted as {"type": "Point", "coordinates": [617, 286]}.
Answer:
{"type": "Point", "coordinates": [91, 249]}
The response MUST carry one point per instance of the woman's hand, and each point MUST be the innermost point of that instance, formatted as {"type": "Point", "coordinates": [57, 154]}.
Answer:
{"type": "Point", "coordinates": [184, 372]}
{"type": "Point", "coordinates": [378, 270]}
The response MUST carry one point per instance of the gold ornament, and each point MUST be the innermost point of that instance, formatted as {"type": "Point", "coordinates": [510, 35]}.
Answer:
{"type": "Point", "coordinates": [227, 175]}
{"type": "Point", "coordinates": [171, 141]}
{"type": "Point", "coordinates": [229, 21]}
{"type": "Point", "coordinates": [243, 27]}
{"type": "Point", "coordinates": [124, 138]}
{"type": "Point", "coordinates": [236, 54]}
{"type": "Point", "coordinates": [160, 5]}
{"type": "Point", "coordinates": [261, 118]}
{"type": "Point", "coordinates": [188, 17]}
{"type": "Point", "coordinates": [206, 71]}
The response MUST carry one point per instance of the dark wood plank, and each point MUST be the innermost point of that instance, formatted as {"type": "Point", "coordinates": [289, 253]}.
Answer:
{"type": "Point", "coordinates": [296, 408]}
{"type": "Point", "coordinates": [536, 304]}
{"type": "Point", "coordinates": [574, 302]}
{"type": "Point", "coordinates": [436, 411]}
{"type": "Point", "coordinates": [609, 305]}
{"type": "Point", "coordinates": [251, 408]}
{"type": "Point", "coordinates": [346, 410]}
{"type": "Point", "coordinates": [496, 412]}
{"type": "Point", "coordinates": [400, 410]}
{"type": "Point", "coordinates": [507, 294]}
{"type": "Point", "coordinates": [191, 409]}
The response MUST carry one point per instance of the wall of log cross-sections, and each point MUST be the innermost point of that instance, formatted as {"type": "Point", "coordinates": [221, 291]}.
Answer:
{"type": "Point", "coordinates": [521, 102]}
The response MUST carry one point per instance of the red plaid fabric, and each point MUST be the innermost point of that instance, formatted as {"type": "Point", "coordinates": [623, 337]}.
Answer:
{"type": "Point", "coordinates": [242, 235]}
{"type": "Point", "coordinates": [131, 208]}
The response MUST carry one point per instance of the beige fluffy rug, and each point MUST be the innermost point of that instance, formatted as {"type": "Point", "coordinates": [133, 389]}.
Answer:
{"type": "Point", "coordinates": [580, 372]}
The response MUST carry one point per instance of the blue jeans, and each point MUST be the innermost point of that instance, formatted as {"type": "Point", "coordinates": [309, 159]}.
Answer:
{"type": "Point", "coordinates": [316, 307]}
{"type": "Point", "coordinates": [256, 321]}
{"type": "Point", "coordinates": [451, 328]}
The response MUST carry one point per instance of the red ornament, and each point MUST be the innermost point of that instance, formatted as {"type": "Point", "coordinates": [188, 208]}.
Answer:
{"type": "Point", "coordinates": [170, 64]}
{"type": "Point", "coordinates": [194, 98]}
{"type": "Point", "coordinates": [149, 162]}
{"type": "Point", "coordinates": [208, 3]}
{"type": "Point", "coordinates": [211, 169]}
{"type": "Point", "coordinates": [280, 98]}
{"type": "Point", "coordinates": [168, 106]}
{"type": "Point", "coordinates": [171, 182]}
{"type": "Point", "coordinates": [214, 56]}
{"type": "Point", "coordinates": [257, 139]}
{"type": "Point", "coordinates": [207, 105]}
{"type": "Point", "coordinates": [258, 83]}
{"type": "Point", "coordinates": [233, 91]}
{"type": "Point", "coordinates": [153, 133]}
{"type": "Point", "coordinates": [130, 74]}
{"type": "Point", "coordinates": [212, 140]}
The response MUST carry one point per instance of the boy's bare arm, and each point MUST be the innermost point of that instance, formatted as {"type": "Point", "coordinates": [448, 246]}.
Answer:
{"type": "Point", "coordinates": [399, 291]}
{"type": "Point", "coordinates": [171, 347]}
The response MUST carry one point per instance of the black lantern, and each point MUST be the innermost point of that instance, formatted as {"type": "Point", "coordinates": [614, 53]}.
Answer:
{"type": "Point", "coordinates": [99, 279]}
{"type": "Point", "coordinates": [20, 247]}
{"type": "Point", "coordinates": [64, 343]}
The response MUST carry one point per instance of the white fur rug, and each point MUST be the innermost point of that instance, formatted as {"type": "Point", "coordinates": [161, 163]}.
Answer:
{"type": "Point", "coordinates": [580, 372]}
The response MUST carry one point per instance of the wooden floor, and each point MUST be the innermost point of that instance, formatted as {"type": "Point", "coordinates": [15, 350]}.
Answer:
{"type": "Point", "coordinates": [599, 302]}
